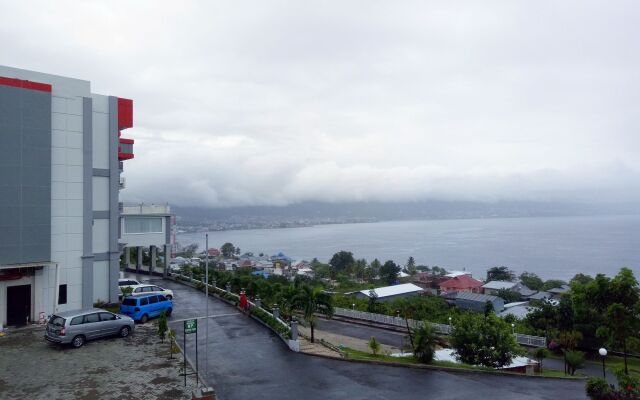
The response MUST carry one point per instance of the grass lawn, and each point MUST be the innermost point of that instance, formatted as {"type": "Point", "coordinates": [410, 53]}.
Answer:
{"type": "Point", "coordinates": [361, 355]}
{"type": "Point", "coordinates": [614, 362]}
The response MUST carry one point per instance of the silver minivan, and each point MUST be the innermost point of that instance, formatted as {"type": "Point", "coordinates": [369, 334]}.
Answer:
{"type": "Point", "coordinates": [76, 327]}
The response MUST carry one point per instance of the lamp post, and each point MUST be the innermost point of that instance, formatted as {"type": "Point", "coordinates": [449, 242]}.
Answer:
{"type": "Point", "coordinates": [353, 306]}
{"type": "Point", "coordinates": [513, 328]}
{"type": "Point", "coordinates": [603, 354]}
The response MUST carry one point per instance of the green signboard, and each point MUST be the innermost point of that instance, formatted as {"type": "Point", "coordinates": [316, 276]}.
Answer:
{"type": "Point", "coordinates": [190, 326]}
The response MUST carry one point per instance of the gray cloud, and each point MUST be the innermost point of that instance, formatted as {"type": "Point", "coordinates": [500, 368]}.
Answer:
{"type": "Point", "coordinates": [272, 103]}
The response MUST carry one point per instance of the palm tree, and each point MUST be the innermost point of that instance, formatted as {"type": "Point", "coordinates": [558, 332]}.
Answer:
{"type": "Point", "coordinates": [311, 301]}
{"type": "Point", "coordinates": [424, 342]}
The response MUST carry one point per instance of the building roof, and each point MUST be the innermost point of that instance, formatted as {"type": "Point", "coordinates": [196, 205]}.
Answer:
{"type": "Point", "coordinates": [560, 290]}
{"type": "Point", "coordinates": [394, 290]}
{"type": "Point", "coordinates": [524, 291]}
{"type": "Point", "coordinates": [461, 282]}
{"type": "Point", "coordinates": [497, 285]}
{"type": "Point", "coordinates": [520, 311]}
{"type": "Point", "coordinates": [482, 298]}
{"type": "Point", "coordinates": [540, 296]}
{"type": "Point", "coordinates": [453, 274]}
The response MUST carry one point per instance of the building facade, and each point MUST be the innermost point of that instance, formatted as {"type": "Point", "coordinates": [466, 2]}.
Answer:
{"type": "Point", "coordinates": [149, 226]}
{"type": "Point", "coordinates": [61, 156]}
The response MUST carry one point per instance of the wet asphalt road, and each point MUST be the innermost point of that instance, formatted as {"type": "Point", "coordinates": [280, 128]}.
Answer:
{"type": "Point", "coordinates": [384, 336]}
{"type": "Point", "coordinates": [246, 361]}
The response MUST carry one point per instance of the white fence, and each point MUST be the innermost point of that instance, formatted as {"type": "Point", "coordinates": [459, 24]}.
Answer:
{"type": "Point", "coordinates": [527, 340]}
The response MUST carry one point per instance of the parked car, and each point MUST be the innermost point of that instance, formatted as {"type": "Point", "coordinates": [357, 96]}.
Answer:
{"type": "Point", "coordinates": [141, 308]}
{"type": "Point", "coordinates": [128, 282]}
{"type": "Point", "coordinates": [125, 283]}
{"type": "Point", "coordinates": [76, 327]}
{"type": "Point", "coordinates": [140, 290]}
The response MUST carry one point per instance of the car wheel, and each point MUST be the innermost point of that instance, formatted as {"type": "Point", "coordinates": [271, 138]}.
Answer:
{"type": "Point", "coordinates": [168, 312]}
{"type": "Point", "coordinates": [125, 331]}
{"type": "Point", "coordinates": [78, 341]}
{"type": "Point", "coordinates": [169, 297]}
{"type": "Point", "coordinates": [144, 319]}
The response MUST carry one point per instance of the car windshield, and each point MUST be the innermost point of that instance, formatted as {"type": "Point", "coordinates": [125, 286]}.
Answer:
{"type": "Point", "coordinates": [129, 302]}
{"type": "Point", "coordinates": [57, 321]}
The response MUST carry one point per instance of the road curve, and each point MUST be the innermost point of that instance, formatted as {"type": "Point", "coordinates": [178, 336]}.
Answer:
{"type": "Point", "coordinates": [246, 361]}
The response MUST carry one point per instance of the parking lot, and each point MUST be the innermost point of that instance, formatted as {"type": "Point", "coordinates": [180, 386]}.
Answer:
{"type": "Point", "coordinates": [113, 368]}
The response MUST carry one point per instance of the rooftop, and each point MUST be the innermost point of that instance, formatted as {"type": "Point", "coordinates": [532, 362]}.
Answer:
{"type": "Point", "coordinates": [387, 291]}
{"type": "Point", "coordinates": [476, 297]}
{"type": "Point", "coordinates": [461, 282]}
{"type": "Point", "coordinates": [497, 285]}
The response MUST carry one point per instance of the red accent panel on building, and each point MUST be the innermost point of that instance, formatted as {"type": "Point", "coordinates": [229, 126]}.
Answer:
{"type": "Point", "coordinates": [125, 113]}
{"type": "Point", "coordinates": [125, 156]}
{"type": "Point", "coordinates": [42, 87]}
{"type": "Point", "coordinates": [126, 141]}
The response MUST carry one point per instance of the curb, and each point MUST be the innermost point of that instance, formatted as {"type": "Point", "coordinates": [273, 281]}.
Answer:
{"type": "Point", "coordinates": [444, 369]}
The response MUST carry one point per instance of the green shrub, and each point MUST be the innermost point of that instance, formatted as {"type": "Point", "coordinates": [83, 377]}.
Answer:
{"type": "Point", "coordinates": [374, 345]}
{"type": "Point", "coordinates": [575, 360]}
{"type": "Point", "coordinates": [597, 388]}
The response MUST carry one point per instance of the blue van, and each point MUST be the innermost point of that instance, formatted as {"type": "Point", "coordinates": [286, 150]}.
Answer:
{"type": "Point", "coordinates": [141, 308]}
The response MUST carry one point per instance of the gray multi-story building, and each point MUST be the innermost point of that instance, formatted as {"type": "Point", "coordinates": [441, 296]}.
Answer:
{"type": "Point", "coordinates": [61, 156]}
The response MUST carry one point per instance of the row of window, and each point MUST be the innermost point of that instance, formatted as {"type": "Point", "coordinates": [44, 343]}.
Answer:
{"type": "Point", "coordinates": [142, 225]}
{"type": "Point", "coordinates": [91, 318]}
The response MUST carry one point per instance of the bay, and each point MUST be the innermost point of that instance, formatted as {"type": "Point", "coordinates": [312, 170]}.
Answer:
{"type": "Point", "coordinates": [552, 247]}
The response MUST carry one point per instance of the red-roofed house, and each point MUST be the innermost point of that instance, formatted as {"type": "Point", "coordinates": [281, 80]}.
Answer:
{"type": "Point", "coordinates": [462, 283]}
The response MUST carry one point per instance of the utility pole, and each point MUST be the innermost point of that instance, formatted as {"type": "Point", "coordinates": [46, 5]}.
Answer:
{"type": "Point", "coordinates": [206, 292]}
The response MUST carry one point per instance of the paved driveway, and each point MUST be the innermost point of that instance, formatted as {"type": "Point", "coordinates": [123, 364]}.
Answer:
{"type": "Point", "coordinates": [246, 361]}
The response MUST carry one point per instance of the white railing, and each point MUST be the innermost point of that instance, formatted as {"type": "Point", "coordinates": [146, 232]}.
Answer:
{"type": "Point", "coordinates": [527, 340]}
{"type": "Point", "coordinates": [137, 209]}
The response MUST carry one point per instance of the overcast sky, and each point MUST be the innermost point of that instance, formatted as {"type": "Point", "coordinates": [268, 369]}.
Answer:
{"type": "Point", "coordinates": [269, 102]}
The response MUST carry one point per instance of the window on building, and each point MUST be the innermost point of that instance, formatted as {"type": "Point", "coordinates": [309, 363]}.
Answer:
{"type": "Point", "coordinates": [142, 225]}
{"type": "Point", "coordinates": [62, 294]}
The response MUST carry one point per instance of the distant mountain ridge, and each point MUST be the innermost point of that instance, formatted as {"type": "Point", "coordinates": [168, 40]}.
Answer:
{"type": "Point", "coordinates": [320, 212]}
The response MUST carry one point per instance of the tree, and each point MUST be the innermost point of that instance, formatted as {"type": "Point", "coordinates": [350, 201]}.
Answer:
{"type": "Point", "coordinates": [508, 295]}
{"type": "Point", "coordinates": [312, 300]}
{"type": "Point", "coordinates": [553, 283]}
{"type": "Point", "coordinates": [540, 354]}
{"type": "Point", "coordinates": [500, 274]}
{"type": "Point", "coordinates": [375, 268]}
{"type": "Point", "coordinates": [227, 250]}
{"type": "Point", "coordinates": [581, 279]}
{"type": "Point", "coordinates": [575, 360]}
{"type": "Point", "coordinates": [163, 325]}
{"type": "Point", "coordinates": [621, 323]}
{"type": "Point", "coordinates": [484, 341]}
{"type": "Point", "coordinates": [569, 340]}
{"type": "Point", "coordinates": [374, 345]}
{"type": "Point", "coordinates": [488, 309]}
{"type": "Point", "coordinates": [411, 266]}
{"type": "Point", "coordinates": [389, 272]}
{"type": "Point", "coordinates": [372, 307]}
{"type": "Point", "coordinates": [341, 261]}
{"type": "Point", "coordinates": [424, 342]}
{"type": "Point", "coordinates": [190, 250]}
{"type": "Point", "coordinates": [531, 280]}
{"type": "Point", "coordinates": [237, 251]}
{"type": "Point", "coordinates": [359, 268]}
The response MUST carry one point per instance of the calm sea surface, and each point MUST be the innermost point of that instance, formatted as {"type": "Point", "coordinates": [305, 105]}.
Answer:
{"type": "Point", "coordinates": [556, 247]}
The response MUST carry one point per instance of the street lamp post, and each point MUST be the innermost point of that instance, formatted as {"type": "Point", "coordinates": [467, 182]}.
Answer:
{"type": "Point", "coordinates": [513, 328]}
{"type": "Point", "coordinates": [603, 353]}
{"type": "Point", "coordinates": [353, 306]}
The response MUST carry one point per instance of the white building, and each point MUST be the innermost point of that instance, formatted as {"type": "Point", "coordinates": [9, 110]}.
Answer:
{"type": "Point", "coordinates": [60, 162]}
{"type": "Point", "coordinates": [147, 226]}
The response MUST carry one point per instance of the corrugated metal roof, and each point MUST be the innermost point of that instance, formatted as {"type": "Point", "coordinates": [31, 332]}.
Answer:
{"type": "Point", "coordinates": [497, 285]}
{"type": "Point", "coordinates": [475, 297]}
{"type": "Point", "coordinates": [387, 291]}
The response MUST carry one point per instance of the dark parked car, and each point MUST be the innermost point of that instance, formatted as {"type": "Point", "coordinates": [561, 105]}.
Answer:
{"type": "Point", "coordinates": [76, 327]}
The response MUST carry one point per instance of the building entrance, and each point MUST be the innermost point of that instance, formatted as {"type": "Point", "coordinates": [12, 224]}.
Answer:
{"type": "Point", "coordinates": [18, 304]}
